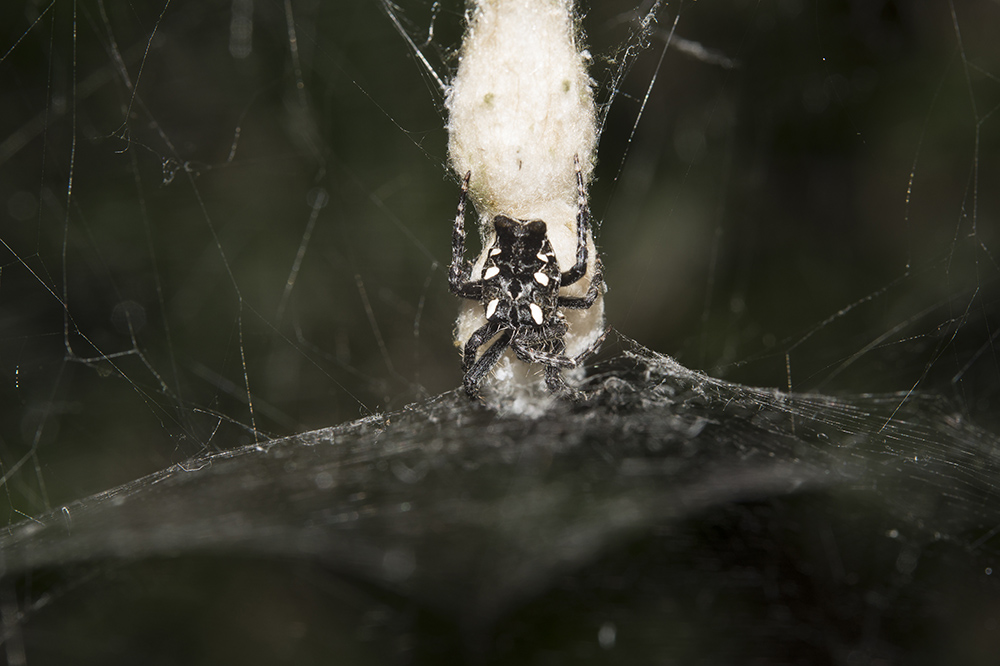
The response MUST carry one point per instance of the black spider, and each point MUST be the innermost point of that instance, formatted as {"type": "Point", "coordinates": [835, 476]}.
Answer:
{"type": "Point", "coordinates": [519, 289]}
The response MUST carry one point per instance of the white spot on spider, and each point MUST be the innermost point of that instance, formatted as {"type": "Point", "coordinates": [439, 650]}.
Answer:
{"type": "Point", "coordinates": [491, 272]}
{"type": "Point", "coordinates": [495, 251]}
{"type": "Point", "coordinates": [544, 258]}
{"type": "Point", "coordinates": [491, 308]}
{"type": "Point", "coordinates": [536, 313]}
{"type": "Point", "coordinates": [542, 279]}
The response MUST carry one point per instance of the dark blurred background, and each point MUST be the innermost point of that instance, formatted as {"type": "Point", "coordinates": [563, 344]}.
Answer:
{"type": "Point", "coordinates": [813, 205]}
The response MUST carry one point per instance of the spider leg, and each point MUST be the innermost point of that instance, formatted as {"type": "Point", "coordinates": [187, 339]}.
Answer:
{"type": "Point", "coordinates": [529, 355]}
{"type": "Point", "coordinates": [582, 224]}
{"type": "Point", "coordinates": [585, 301]}
{"type": "Point", "coordinates": [460, 271]}
{"type": "Point", "coordinates": [594, 346]}
{"type": "Point", "coordinates": [554, 361]}
{"type": "Point", "coordinates": [553, 373]}
{"type": "Point", "coordinates": [471, 290]}
{"type": "Point", "coordinates": [477, 340]}
{"type": "Point", "coordinates": [555, 382]}
{"type": "Point", "coordinates": [474, 376]}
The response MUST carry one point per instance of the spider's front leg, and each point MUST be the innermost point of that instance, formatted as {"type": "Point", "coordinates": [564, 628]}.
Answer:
{"type": "Point", "coordinates": [460, 271]}
{"type": "Point", "coordinates": [582, 225]}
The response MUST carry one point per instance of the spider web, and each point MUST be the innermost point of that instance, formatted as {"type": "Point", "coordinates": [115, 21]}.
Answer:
{"type": "Point", "coordinates": [225, 227]}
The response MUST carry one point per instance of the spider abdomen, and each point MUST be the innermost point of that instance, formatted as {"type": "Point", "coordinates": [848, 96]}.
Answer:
{"type": "Point", "coordinates": [520, 277]}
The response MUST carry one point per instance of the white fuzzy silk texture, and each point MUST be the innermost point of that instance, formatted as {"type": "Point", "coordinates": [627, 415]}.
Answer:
{"type": "Point", "coordinates": [520, 110]}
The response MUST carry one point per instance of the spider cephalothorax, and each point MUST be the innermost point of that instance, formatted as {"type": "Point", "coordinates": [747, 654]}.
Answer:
{"type": "Point", "coordinates": [518, 287]}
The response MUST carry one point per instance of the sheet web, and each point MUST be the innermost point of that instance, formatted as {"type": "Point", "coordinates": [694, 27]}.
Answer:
{"type": "Point", "coordinates": [225, 223]}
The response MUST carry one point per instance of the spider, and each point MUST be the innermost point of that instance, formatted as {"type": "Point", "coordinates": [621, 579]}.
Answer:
{"type": "Point", "coordinates": [519, 289]}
